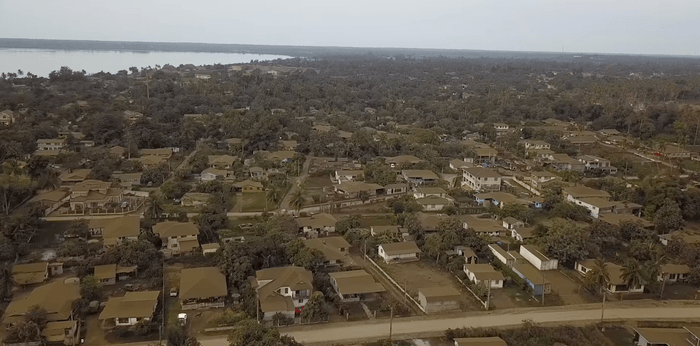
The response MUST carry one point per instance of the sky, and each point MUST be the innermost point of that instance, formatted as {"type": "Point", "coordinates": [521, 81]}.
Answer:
{"type": "Point", "coordinates": [591, 26]}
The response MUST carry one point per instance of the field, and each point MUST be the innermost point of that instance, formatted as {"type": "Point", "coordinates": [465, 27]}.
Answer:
{"type": "Point", "coordinates": [254, 202]}
{"type": "Point", "coordinates": [417, 275]}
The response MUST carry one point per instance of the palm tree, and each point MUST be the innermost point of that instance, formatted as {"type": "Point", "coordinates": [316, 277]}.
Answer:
{"type": "Point", "coordinates": [273, 195]}
{"type": "Point", "coordinates": [48, 180]}
{"type": "Point", "coordinates": [298, 199]}
{"type": "Point", "coordinates": [652, 271]}
{"type": "Point", "coordinates": [154, 209]}
{"type": "Point", "coordinates": [632, 274]}
{"type": "Point", "coordinates": [598, 275]}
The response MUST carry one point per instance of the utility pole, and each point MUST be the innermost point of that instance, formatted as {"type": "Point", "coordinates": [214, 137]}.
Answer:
{"type": "Point", "coordinates": [543, 285]}
{"type": "Point", "coordinates": [663, 283]}
{"type": "Point", "coordinates": [602, 311]}
{"type": "Point", "coordinates": [405, 293]}
{"type": "Point", "coordinates": [488, 295]}
{"type": "Point", "coordinates": [391, 323]}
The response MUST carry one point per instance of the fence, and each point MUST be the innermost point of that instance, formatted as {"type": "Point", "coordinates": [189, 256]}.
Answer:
{"type": "Point", "coordinates": [395, 283]}
{"type": "Point", "coordinates": [472, 292]}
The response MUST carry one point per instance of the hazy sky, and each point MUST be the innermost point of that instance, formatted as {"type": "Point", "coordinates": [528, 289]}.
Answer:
{"type": "Point", "coordinates": [605, 26]}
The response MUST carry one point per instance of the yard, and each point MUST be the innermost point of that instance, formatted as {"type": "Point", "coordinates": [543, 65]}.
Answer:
{"type": "Point", "coordinates": [417, 275]}
{"type": "Point", "coordinates": [567, 288]}
{"type": "Point", "coordinates": [255, 202]}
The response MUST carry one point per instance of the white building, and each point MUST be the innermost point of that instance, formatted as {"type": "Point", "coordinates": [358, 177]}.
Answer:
{"type": "Point", "coordinates": [538, 259]}
{"type": "Point", "coordinates": [484, 274]}
{"type": "Point", "coordinates": [481, 179]}
{"type": "Point", "coordinates": [399, 252]}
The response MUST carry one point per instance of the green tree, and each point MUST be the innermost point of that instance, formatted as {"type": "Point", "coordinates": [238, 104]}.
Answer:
{"type": "Point", "coordinates": [598, 276]}
{"type": "Point", "coordinates": [633, 274]}
{"type": "Point", "coordinates": [273, 195]}
{"type": "Point", "coordinates": [315, 309]}
{"type": "Point", "coordinates": [90, 288]}
{"type": "Point", "coordinates": [566, 241]}
{"type": "Point", "coordinates": [669, 217]}
{"type": "Point", "coordinates": [298, 199]}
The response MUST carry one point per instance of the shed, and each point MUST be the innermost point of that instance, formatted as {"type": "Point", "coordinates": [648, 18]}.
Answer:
{"type": "Point", "coordinates": [438, 299]}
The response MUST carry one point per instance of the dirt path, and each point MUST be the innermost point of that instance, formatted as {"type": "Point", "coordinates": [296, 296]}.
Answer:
{"type": "Point", "coordinates": [295, 185]}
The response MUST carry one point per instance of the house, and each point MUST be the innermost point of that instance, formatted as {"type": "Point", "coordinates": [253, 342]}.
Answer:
{"type": "Point", "coordinates": [616, 284]}
{"type": "Point", "coordinates": [484, 274]}
{"type": "Point", "coordinates": [486, 341]}
{"type": "Point", "coordinates": [508, 258]}
{"type": "Point", "coordinates": [681, 236]}
{"type": "Point", "coordinates": [7, 117]}
{"type": "Point", "coordinates": [565, 163]}
{"type": "Point", "coordinates": [289, 145]}
{"type": "Point", "coordinates": [211, 174]}
{"type": "Point", "coordinates": [221, 161]}
{"type": "Point", "coordinates": [115, 230]}
{"type": "Point", "coordinates": [283, 290]}
{"type": "Point", "coordinates": [130, 309]}
{"type": "Point", "coordinates": [399, 252]}
{"type": "Point", "coordinates": [439, 299]}
{"type": "Point", "coordinates": [356, 189]}
{"type": "Point", "coordinates": [402, 160]}
{"type": "Point", "coordinates": [118, 151]}
{"type": "Point", "coordinates": [573, 193]}
{"type": "Point", "coordinates": [534, 278]}
{"type": "Point", "coordinates": [686, 336]}
{"type": "Point", "coordinates": [497, 198]}
{"type": "Point", "coordinates": [501, 126]}
{"type": "Point", "coordinates": [433, 203]}
{"type": "Point", "coordinates": [394, 189]}
{"type": "Point", "coordinates": [534, 144]}
{"type": "Point", "coordinates": [581, 141]}
{"type": "Point", "coordinates": [336, 250]}
{"type": "Point", "coordinates": [195, 199]}
{"type": "Point", "coordinates": [109, 274]}
{"type": "Point", "coordinates": [314, 225]}
{"type": "Point", "coordinates": [671, 273]}
{"type": "Point", "coordinates": [355, 285]}
{"type": "Point", "coordinates": [56, 297]}
{"type": "Point", "coordinates": [594, 162]}
{"type": "Point", "coordinates": [93, 194]}
{"type": "Point", "coordinates": [422, 192]}
{"type": "Point", "coordinates": [62, 332]}
{"type": "Point", "coordinates": [458, 165]}
{"type": "Point", "coordinates": [537, 181]}
{"type": "Point", "coordinates": [512, 223]}
{"type": "Point", "coordinates": [485, 155]}
{"type": "Point", "coordinates": [30, 273]}
{"type": "Point", "coordinates": [608, 132]}
{"type": "Point", "coordinates": [178, 237]}
{"type": "Point", "coordinates": [468, 253]}
{"type": "Point", "coordinates": [202, 288]}
{"type": "Point", "coordinates": [128, 178]}
{"type": "Point", "coordinates": [52, 200]}
{"type": "Point", "coordinates": [74, 177]}
{"type": "Point", "coordinates": [283, 156]}
{"type": "Point", "coordinates": [48, 144]}
{"type": "Point", "coordinates": [249, 186]}
{"type": "Point", "coordinates": [391, 230]}
{"type": "Point", "coordinates": [537, 258]}
{"type": "Point", "coordinates": [347, 175]}
{"type": "Point", "coordinates": [257, 173]}
{"type": "Point", "coordinates": [162, 152]}
{"type": "Point", "coordinates": [488, 227]}
{"type": "Point", "coordinates": [430, 222]}
{"type": "Point", "coordinates": [419, 176]}
{"type": "Point", "coordinates": [481, 179]}
{"type": "Point", "coordinates": [523, 233]}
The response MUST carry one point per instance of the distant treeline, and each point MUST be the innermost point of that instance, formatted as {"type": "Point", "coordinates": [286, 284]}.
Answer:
{"type": "Point", "coordinates": [302, 51]}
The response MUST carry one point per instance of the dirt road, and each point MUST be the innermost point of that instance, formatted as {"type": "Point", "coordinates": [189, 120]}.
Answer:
{"type": "Point", "coordinates": [295, 185]}
{"type": "Point", "coordinates": [436, 325]}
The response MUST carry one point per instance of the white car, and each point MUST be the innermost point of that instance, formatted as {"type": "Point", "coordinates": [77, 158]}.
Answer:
{"type": "Point", "coordinates": [182, 318]}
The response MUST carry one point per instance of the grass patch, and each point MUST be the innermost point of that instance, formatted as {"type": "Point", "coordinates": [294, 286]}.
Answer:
{"type": "Point", "coordinates": [173, 310]}
{"type": "Point", "coordinates": [318, 182]}
{"type": "Point", "coordinates": [255, 202]}
{"type": "Point", "coordinates": [378, 220]}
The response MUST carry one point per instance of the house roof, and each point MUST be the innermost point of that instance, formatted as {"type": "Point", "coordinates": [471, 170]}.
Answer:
{"type": "Point", "coordinates": [249, 183]}
{"type": "Point", "coordinates": [329, 247]}
{"type": "Point", "coordinates": [485, 152]}
{"type": "Point", "coordinates": [420, 174]}
{"type": "Point", "coordinates": [580, 191]}
{"type": "Point", "coordinates": [487, 341]}
{"type": "Point", "coordinates": [76, 175]}
{"type": "Point", "coordinates": [221, 159]}
{"type": "Point", "coordinates": [296, 278]}
{"type": "Point", "coordinates": [188, 245]}
{"type": "Point", "coordinates": [457, 163]}
{"type": "Point", "coordinates": [484, 272]}
{"type": "Point", "coordinates": [511, 220]}
{"type": "Point", "coordinates": [106, 271]}
{"type": "Point", "coordinates": [430, 190]}
{"type": "Point", "coordinates": [353, 172]}
{"type": "Point", "coordinates": [175, 229]}
{"type": "Point", "coordinates": [599, 202]}
{"type": "Point", "coordinates": [675, 269]}
{"type": "Point", "coordinates": [56, 297]}
{"type": "Point", "coordinates": [214, 171]}
{"type": "Point", "coordinates": [406, 247]}
{"type": "Point", "coordinates": [481, 172]}
{"type": "Point", "coordinates": [525, 232]}
{"type": "Point", "coordinates": [51, 196]}
{"type": "Point", "coordinates": [482, 225]}
{"type": "Point", "coordinates": [402, 159]}
{"type": "Point", "coordinates": [159, 152]}
{"type": "Point", "coordinates": [535, 251]}
{"type": "Point", "coordinates": [30, 273]}
{"type": "Point", "coordinates": [280, 155]}
{"type": "Point", "coordinates": [131, 305]}
{"type": "Point", "coordinates": [615, 272]}
{"type": "Point", "coordinates": [467, 251]}
{"type": "Point", "coordinates": [430, 222]}
{"type": "Point", "coordinates": [356, 282]}
{"type": "Point", "coordinates": [150, 160]}
{"type": "Point", "coordinates": [440, 294]}
{"type": "Point", "coordinates": [531, 273]}
{"type": "Point", "coordinates": [117, 227]}
{"type": "Point", "coordinates": [200, 283]}
{"type": "Point", "coordinates": [664, 336]}
{"type": "Point", "coordinates": [504, 197]}
{"type": "Point", "coordinates": [317, 221]}
{"type": "Point", "coordinates": [357, 186]}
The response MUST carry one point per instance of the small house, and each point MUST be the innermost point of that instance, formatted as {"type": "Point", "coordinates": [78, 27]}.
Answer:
{"type": "Point", "coordinates": [484, 274]}
{"type": "Point", "coordinates": [202, 288]}
{"type": "Point", "coordinates": [439, 299]}
{"type": "Point", "coordinates": [485, 341]}
{"type": "Point", "coordinates": [399, 252]}
{"type": "Point", "coordinates": [130, 309]}
{"type": "Point", "coordinates": [538, 259]}
{"type": "Point", "coordinates": [355, 285]}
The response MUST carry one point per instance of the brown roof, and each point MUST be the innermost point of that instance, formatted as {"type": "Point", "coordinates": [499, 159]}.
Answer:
{"type": "Point", "coordinates": [357, 186]}
{"type": "Point", "coordinates": [484, 272]}
{"type": "Point", "coordinates": [401, 248]}
{"type": "Point", "coordinates": [482, 172]}
{"type": "Point", "coordinates": [487, 341]}
{"type": "Point", "coordinates": [221, 159]}
{"type": "Point", "coordinates": [205, 282]}
{"type": "Point", "coordinates": [56, 297]}
{"type": "Point", "coordinates": [296, 278]}
{"type": "Point", "coordinates": [420, 173]}
{"type": "Point", "coordinates": [317, 221]}
{"type": "Point", "coordinates": [131, 305]}
{"type": "Point", "coordinates": [356, 282]}
{"type": "Point", "coordinates": [664, 336]}
{"type": "Point", "coordinates": [125, 226]}
{"type": "Point", "coordinates": [162, 152]}
{"type": "Point", "coordinates": [76, 175]}
{"type": "Point", "coordinates": [106, 271]}
{"type": "Point", "coordinates": [175, 229]}
{"type": "Point", "coordinates": [248, 183]}
{"type": "Point", "coordinates": [51, 196]}
{"type": "Point", "coordinates": [402, 159]}
{"type": "Point", "coordinates": [329, 247]}
{"type": "Point", "coordinates": [440, 294]}
{"type": "Point", "coordinates": [30, 273]}
{"type": "Point", "coordinates": [583, 191]}
{"type": "Point", "coordinates": [675, 269]}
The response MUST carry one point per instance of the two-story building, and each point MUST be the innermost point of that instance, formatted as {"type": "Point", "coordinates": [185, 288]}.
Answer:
{"type": "Point", "coordinates": [178, 237]}
{"type": "Point", "coordinates": [50, 144]}
{"type": "Point", "coordinates": [7, 117]}
{"type": "Point", "coordinates": [419, 176]}
{"type": "Point", "coordinates": [594, 162]}
{"type": "Point", "coordinates": [481, 179]}
{"type": "Point", "coordinates": [94, 194]}
{"type": "Point", "coordinates": [283, 290]}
